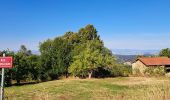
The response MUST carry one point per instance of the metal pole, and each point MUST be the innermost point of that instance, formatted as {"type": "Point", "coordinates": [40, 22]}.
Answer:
{"type": "Point", "coordinates": [2, 83]}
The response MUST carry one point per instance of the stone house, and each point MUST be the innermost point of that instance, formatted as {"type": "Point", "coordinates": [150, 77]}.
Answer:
{"type": "Point", "coordinates": [144, 62]}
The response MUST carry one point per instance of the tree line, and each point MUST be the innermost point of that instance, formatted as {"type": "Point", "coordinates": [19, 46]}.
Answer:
{"type": "Point", "coordinates": [79, 54]}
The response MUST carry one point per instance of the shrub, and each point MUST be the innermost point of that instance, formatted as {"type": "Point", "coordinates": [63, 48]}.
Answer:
{"type": "Point", "coordinates": [154, 71]}
{"type": "Point", "coordinates": [149, 71]}
{"type": "Point", "coordinates": [137, 72]}
{"type": "Point", "coordinates": [102, 72]}
{"type": "Point", "coordinates": [159, 71]}
{"type": "Point", "coordinates": [121, 70]}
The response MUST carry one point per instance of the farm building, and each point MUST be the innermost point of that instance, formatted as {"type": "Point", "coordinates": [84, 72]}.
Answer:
{"type": "Point", "coordinates": [144, 62]}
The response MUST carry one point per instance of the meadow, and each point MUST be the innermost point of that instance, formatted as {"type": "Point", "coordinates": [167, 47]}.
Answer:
{"type": "Point", "coordinates": [121, 88]}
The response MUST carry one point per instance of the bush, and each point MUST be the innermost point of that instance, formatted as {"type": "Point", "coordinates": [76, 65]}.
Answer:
{"type": "Point", "coordinates": [137, 72]}
{"type": "Point", "coordinates": [121, 70]}
{"type": "Point", "coordinates": [154, 71]}
{"type": "Point", "coordinates": [102, 72]}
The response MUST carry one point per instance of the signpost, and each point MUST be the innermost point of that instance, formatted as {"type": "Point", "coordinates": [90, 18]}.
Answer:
{"type": "Point", "coordinates": [5, 62]}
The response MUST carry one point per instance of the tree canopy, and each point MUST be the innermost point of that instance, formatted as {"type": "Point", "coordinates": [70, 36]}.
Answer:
{"type": "Point", "coordinates": [77, 53]}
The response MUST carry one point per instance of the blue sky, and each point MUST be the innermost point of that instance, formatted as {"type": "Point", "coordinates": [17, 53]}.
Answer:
{"type": "Point", "coordinates": [122, 24]}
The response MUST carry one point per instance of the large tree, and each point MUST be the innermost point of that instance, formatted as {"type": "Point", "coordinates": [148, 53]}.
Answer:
{"type": "Point", "coordinates": [90, 54]}
{"type": "Point", "coordinates": [84, 47]}
{"type": "Point", "coordinates": [89, 60]}
{"type": "Point", "coordinates": [56, 55]}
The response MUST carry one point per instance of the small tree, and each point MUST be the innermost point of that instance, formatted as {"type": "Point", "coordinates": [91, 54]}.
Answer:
{"type": "Point", "coordinates": [165, 52]}
{"type": "Point", "coordinates": [121, 70]}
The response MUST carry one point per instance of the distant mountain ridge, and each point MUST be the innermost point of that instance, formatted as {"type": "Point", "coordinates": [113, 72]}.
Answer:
{"type": "Point", "coordinates": [125, 58]}
{"type": "Point", "coordinates": [134, 52]}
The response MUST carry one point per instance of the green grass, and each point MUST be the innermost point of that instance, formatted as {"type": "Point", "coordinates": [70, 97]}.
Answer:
{"type": "Point", "coordinates": [130, 88]}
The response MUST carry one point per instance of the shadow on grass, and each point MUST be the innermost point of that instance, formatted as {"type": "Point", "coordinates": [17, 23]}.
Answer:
{"type": "Point", "coordinates": [25, 83]}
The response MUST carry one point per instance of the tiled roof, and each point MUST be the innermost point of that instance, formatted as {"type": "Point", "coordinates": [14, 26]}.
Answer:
{"type": "Point", "coordinates": [154, 61]}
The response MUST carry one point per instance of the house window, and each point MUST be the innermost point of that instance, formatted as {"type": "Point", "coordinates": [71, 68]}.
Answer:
{"type": "Point", "coordinates": [167, 68]}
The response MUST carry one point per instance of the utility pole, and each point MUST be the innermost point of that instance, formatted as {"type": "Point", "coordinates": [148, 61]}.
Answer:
{"type": "Point", "coordinates": [2, 82]}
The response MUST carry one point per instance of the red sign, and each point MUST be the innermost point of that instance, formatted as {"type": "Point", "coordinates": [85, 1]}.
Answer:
{"type": "Point", "coordinates": [6, 62]}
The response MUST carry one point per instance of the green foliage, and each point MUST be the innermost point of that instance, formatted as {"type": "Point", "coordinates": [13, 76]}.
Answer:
{"type": "Point", "coordinates": [137, 72]}
{"type": "Point", "coordinates": [20, 71]}
{"type": "Point", "coordinates": [165, 52]}
{"type": "Point", "coordinates": [90, 54]}
{"type": "Point", "coordinates": [45, 59]}
{"type": "Point", "coordinates": [33, 67]}
{"type": "Point", "coordinates": [154, 71]}
{"type": "Point", "coordinates": [121, 70]}
{"type": "Point", "coordinates": [81, 53]}
{"type": "Point", "coordinates": [159, 71]}
{"type": "Point", "coordinates": [25, 65]}
{"type": "Point", "coordinates": [56, 59]}
{"type": "Point", "coordinates": [87, 61]}
{"type": "Point", "coordinates": [149, 71]}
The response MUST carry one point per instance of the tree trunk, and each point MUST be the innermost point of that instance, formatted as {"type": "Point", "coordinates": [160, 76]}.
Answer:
{"type": "Point", "coordinates": [8, 82]}
{"type": "Point", "coordinates": [66, 75]}
{"type": "Point", "coordinates": [90, 74]}
{"type": "Point", "coordinates": [18, 82]}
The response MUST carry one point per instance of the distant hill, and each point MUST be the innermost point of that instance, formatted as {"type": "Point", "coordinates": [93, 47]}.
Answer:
{"type": "Point", "coordinates": [129, 55]}
{"type": "Point", "coordinates": [129, 58]}
{"type": "Point", "coordinates": [125, 58]}
{"type": "Point", "coordinates": [134, 52]}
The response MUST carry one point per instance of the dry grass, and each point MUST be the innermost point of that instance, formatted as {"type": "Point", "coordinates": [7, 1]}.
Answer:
{"type": "Point", "coordinates": [129, 88]}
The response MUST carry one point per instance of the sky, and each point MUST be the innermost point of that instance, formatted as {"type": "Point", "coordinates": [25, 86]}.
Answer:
{"type": "Point", "coordinates": [121, 24]}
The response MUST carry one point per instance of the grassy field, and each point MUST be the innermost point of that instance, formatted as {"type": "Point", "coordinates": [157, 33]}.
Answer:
{"type": "Point", "coordinates": [127, 88]}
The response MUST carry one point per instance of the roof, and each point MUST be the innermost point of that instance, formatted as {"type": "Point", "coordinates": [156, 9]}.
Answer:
{"type": "Point", "coordinates": [155, 61]}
